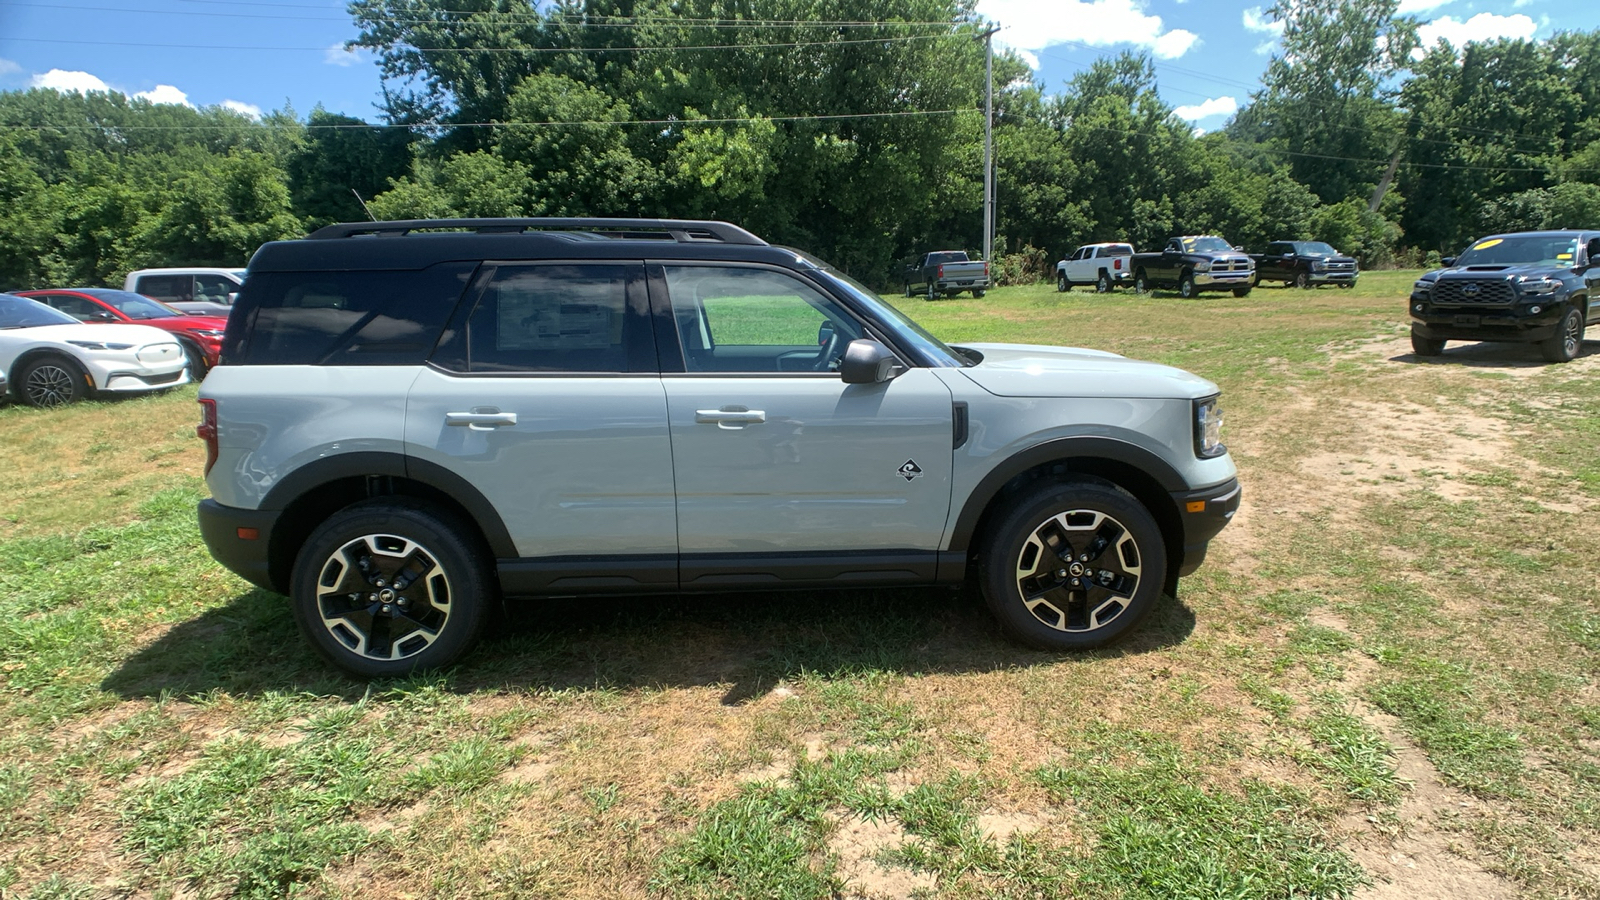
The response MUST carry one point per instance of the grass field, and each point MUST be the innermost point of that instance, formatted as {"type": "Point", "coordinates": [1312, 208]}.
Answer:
{"type": "Point", "coordinates": [1382, 684]}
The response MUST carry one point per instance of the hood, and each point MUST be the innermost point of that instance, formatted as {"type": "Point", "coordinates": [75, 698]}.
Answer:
{"type": "Point", "coordinates": [1517, 270]}
{"type": "Point", "coordinates": [1025, 370]}
{"type": "Point", "coordinates": [137, 335]}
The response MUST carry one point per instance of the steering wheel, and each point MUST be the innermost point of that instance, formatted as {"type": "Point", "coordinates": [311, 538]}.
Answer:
{"type": "Point", "coordinates": [830, 350]}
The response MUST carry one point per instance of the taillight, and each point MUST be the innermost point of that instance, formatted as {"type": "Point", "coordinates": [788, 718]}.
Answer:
{"type": "Point", "coordinates": [1117, 264]}
{"type": "Point", "coordinates": [986, 268]}
{"type": "Point", "coordinates": [207, 430]}
{"type": "Point", "coordinates": [941, 271]}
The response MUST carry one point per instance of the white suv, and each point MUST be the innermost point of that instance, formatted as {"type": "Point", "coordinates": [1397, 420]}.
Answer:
{"type": "Point", "coordinates": [412, 420]}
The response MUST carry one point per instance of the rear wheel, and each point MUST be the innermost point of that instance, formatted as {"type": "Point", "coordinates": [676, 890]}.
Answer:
{"type": "Point", "coordinates": [909, 292]}
{"type": "Point", "coordinates": [1073, 565]}
{"type": "Point", "coordinates": [933, 292]}
{"type": "Point", "coordinates": [1423, 346]}
{"type": "Point", "coordinates": [978, 292]}
{"type": "Point", "coordinates": [390, 586]}
{"type": "Point", "coordinates": [1568, 339]}
{"type": "Point", "coordinates": [1102, 285]}
{"type": "Point", "coordinates": [1302, 281]}
{"type": "Point", "coordinates": [52, 381]}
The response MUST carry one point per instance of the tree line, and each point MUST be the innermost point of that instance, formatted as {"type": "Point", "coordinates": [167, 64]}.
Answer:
{"type": "Point", "coordinates": [851, 128]}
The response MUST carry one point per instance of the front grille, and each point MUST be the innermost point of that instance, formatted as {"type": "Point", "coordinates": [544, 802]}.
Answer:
{"type": "Point", "coordinates": [1231, 264]}
{"type": "Point", "coordinates": [1474, 293]}
{"type": "Point", "coordinates": [1341, 267]}
{"type": "Point", "coordinates": [162, 379]}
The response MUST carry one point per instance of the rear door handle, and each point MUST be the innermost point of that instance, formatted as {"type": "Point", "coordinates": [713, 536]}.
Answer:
{"type": "Point", "coordinates": [730, 417]}
{"type": "Point", "coordinates": [481, 419]}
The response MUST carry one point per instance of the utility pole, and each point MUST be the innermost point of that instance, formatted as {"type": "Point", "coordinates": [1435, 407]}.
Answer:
{"type": "Point", "coordinates": [988, 145]}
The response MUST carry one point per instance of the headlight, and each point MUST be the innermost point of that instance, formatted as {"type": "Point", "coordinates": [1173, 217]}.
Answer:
{"type": "Point", "coordinates": [100, 345]}
{"type": "Point", "coordinates": [209, 332]}
{"type": "Point", "coordinates": [1539, 287]}
{"type": "Point", "coordinates": [1203, 265]}
{"type": "Point", "coordinates": [1422, 287]}
{"type": "Point", "coordinates": [1208, 428]}
{"type": "Point", "coordinates": [1319, 267]}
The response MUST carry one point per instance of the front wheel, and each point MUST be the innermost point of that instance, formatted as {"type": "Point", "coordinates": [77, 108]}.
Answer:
{"type": "Point", "coordinates": [1242, 291]}
{"type": "Point", "coordinates": [1422, 346]}
{"type": "Point", "coordinates": [197, 362]}
{"type": "Point", "coordinates": [1141, 283]}
{"type": "Point", "coordinates": [1568, 339]}
{"type": "Point", "coordinates": [1186, 287]}
{"type": "Point", "coordinates": [52, 381]}
{"type": "Point", "coordinates": [390, 586]}
{"type": "Point", "coordinates": [1102, 285]}
{"type": "Point", "coordinates": [1073, 565]}
{"type": "Point", "coordinates": [1062, 284]}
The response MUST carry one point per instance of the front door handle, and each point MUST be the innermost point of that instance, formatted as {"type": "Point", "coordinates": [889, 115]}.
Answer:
{"type": "Point", "coordinates": [481, 419]}
{"type": "Point", "coordinates": [730, 417]}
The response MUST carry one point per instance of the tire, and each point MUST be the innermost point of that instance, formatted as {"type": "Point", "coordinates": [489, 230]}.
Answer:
{"type": "Point", "coordinates": [197, 361]}
{"type": "Point", "coordinates": [933, 292]}
{"type": "Point", "coordinates": [51, 381]}
{"type": "Point", "coordinates": [909, 292]}
{"type": "Point", "coordinates": [1102, 285]}
{"type": "Point", "coordinates": [1186, 288]}
{"type": "Point", "coordinates": [978, 293]}
{"type": "Point", "coordinates": [1102, 538]}
{"type": "Point", "coordinates": [450, 581]}
{"type": "Point", "coordinates": [1062, 284]}
{"type": "Point", "coordinates": [1567, 341]}
{"type": "Point", "coordinates": [1347, 285]}
{"type": "Point", "coordinates": [1242, 291]}
{"type": "Point", "coordinates": [1422, 346]}
{"type": "Point", "coordinates": [1141, 283]}
{"type": "Point", "coordinates": [1302, 280]}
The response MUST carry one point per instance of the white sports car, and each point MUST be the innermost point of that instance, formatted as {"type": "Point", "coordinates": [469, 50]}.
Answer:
{"type": "Point", "coordinates": [50, 358]}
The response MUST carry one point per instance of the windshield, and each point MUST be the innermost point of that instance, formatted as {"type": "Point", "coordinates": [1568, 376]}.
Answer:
{"type": "Point", "coordinates": [20, 312]}
{"type": "Point", "coordinates": [1206, 245]}
{"type": "Point", "coordinates": [1551, 249]}
{"type": "Point", "coordinates": [136, 306]}
{"type": "Point", "coordinates": [905, 330]}
{"type": "Point", "coordinates": [1315, 248]}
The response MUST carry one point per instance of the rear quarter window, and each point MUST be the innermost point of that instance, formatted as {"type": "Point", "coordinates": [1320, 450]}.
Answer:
{"type": "Point", "coordinates": [343, 318]}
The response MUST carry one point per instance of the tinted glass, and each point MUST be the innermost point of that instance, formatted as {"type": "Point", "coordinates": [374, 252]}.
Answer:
{"type": "Point", "coordinates": [166, 287]}
{"type": "Point", "coordinates": [343, 318]}
{"type": "Point", "coordinates": [136, 306]}
{"type": "Point", "coordinates": [213, 288]}
{"type": "Point", "coordinates": [81, 308]}
{"type": "Point", "coordinates": [1560, 249]}
{"type": "Point", "coordinates": [20, 312]}
{"type": "Point", "coordinates": [1316, 248]}
{"type": "Point", "coordinates": [552, 318]}
{"type": "Point", "coordinates": [1117, 250]}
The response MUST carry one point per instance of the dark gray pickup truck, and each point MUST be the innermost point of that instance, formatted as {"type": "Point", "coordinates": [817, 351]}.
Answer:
{"type": "Point", "coordinates": [1193, 264]}
{"type": "Point", "coordinates": [947, 272]}
{"type": "Point", "coordinates": [1305, 264]}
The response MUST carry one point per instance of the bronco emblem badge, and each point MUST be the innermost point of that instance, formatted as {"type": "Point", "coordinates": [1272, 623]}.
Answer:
{"type": "Point", "coordinates": [910, 470]}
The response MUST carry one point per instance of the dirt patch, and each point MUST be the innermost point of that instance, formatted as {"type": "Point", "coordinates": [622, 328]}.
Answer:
{"type": "Point", "coordinates": [1407, 446]}
{"type": "Point", "coordinates": [859, 844]}
{"type": "Point", "coordinates": [999, 827]}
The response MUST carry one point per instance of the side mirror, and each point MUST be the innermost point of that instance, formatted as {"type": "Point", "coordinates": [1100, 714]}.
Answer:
{"type": "Point", "coordinates": [1239, 249]}
{"type": "Point", "coordinates": [1594, 251]}
{"type": "Point", "coordinates": [866, 362]}
{"type": "Point", "coordinates": [1447, 261]}
{"type": "Point", "coordinates": [103, 317]}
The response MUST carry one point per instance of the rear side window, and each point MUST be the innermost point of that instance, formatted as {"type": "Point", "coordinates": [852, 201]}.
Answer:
{"type": "Point", "coordinates": [343, 318]}
{"type": "Point", "coordinates": [166, 287]}
{"type": "Point", "coordinates": [554, 317]}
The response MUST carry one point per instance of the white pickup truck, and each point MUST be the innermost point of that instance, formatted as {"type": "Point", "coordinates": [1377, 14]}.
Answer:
{"type": "Point", "coordinates": [1103, 265]}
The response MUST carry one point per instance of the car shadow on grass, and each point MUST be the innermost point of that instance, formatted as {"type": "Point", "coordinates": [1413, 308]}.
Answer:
{"type": "Point", "coordinates": [1492, 355]}
{"type": "Point", "coordinates": [744, 643]}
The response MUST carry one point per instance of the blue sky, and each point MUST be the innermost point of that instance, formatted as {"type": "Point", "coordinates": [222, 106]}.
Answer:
{"type": "Point", "coordinates": [256, 55]}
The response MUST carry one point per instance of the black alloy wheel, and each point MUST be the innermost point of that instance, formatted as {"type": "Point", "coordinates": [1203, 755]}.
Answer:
{"type": "Point", "coordinates": [52, 381]}
{"type": "Point", "coordinates": [1073, 565]}
{"type": "Point", "coordinates": [390, 586]}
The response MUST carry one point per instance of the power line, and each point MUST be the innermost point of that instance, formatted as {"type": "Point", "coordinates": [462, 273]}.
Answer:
{"type": "Point", "coordinates": [760, 46]}
{"type": "Point", "coordinates": [593, 123]}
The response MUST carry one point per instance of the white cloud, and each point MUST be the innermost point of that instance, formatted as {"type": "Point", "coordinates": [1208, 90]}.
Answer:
{"type": "Point", "coordinates": [68, 82]}
{"type": "Point", "coordinates": [244, 109]}
{"type": "Point", "coordinates": [1412, 7]}
{"type": "Point", "coordinates": [1481, 27]}
{"type": "Point", "coordinates": [7, 67]}
{"type": "Point", "coordinates": [1032, 25]}
{"type": "Point", "coordinates": [1216, 106]}
{"type": "Point", "coordinates": [1255, 19]}
{"type": "Point", "coordinates": [337, 55]}
{"type": "Point", "coordinates": [165, 93]}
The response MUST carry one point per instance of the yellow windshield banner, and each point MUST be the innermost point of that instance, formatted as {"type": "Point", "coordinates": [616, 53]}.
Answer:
{"type": "Point", "coordinates": [1484, 245]}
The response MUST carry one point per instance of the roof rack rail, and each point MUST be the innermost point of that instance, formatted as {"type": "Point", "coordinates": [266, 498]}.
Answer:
{"type": "Point", "coordinates": [681, 230]}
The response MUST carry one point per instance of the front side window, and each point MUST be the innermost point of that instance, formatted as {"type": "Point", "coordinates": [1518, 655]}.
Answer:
{"type": "Point", "coordinates": [167, 288]}
{"type": "Point", "coordinates": [80, 308]}
{"type": "Point", "coordinates": [756, 320]}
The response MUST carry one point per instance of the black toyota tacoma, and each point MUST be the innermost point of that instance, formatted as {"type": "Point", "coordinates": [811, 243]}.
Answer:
{"type": "Point", "coordinates": [1528, 287]}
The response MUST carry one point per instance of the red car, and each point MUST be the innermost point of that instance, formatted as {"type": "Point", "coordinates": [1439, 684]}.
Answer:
{"type": "Point", "coordinates": [201, 336]}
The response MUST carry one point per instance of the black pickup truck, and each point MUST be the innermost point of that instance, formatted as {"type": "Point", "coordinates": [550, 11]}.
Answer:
{"type": "Point", "coordinates": [947, 272]}
{"type": "Point", "coordinates": [1193, 264]}
{"type": "Point", "coordinates": [1530, 287]}
{"type": "Point", "coordinates": [1305, 264]}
